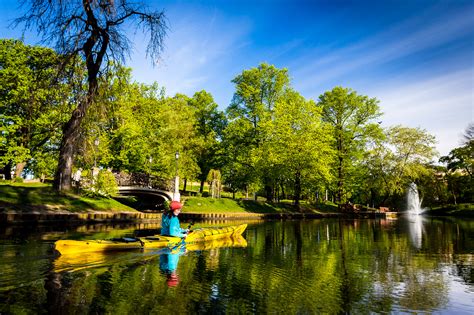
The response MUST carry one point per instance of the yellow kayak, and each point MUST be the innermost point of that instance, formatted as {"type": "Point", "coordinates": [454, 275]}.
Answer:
{"type": "Point", "coordinates": [74, 261]}
{"type": "Point", "coordinates": [158, 241]}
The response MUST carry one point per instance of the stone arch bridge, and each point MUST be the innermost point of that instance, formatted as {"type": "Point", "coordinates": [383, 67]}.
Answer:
{"type": "Point", "coordinates": [149, 192]}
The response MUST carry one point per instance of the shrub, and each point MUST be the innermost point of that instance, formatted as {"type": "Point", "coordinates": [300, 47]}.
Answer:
{"type": "Point", "coordinates": [104, 184]}
{"type": "Point", "coordinates": [18, 180]}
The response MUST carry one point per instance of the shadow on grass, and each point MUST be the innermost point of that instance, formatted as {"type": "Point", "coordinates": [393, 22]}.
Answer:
{"type": "Point", "coordinates": [459, 210]}
{"type": "Point", "coordinates": [284, 207]}
{"type": "Point", "coordinates": [327, 207]}
{"type": "Point", "coordinates": [24, 199]}
{"type": "Point", "coordinates": [266, 207]}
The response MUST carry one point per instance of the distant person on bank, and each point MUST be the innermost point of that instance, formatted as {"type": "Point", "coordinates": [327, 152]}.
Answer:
{"type": "Point", "coordinates": [170, 222]}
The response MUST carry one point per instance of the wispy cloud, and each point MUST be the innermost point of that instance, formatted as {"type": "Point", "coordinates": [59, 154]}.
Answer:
{"type": "Point", "coordinates": [438, 99]}
{"type": "Point", "coordinates": [205, 50]}
{"type": "Point", "coordinates": [443, 105]}
{"type": "Point", "coordinates": [407, 38]}
{"type": "Point", "coordinates": [195, 53]}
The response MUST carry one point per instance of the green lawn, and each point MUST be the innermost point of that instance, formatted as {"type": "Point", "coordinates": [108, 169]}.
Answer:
{"type": "Point", "coordinates": [459, 210]}
{"type": "Point", "coordinates": [210, 205]}
{"type": "Point", "coordinates": [38, 197]}
{"type": "Point", "coordinates": [25, 197]}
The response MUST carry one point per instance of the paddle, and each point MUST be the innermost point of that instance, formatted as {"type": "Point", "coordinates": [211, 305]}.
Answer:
{"type": "Point", "coordinates": [183, 238]}
{"type": "Point", "coordinates": [189, 226]}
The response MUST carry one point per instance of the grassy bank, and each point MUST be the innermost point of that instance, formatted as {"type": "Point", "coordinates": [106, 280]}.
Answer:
{"type": "Point", "coordinates": [459, 210]}
{"type": "Point", "coordinates": [27, 197]}
{"type": "Point", "coordinates": [38, 197]}
{"type": "Point", "coordinates": [210, 205]}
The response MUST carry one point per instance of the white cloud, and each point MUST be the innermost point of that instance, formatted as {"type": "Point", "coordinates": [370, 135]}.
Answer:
{"type": "Point", "coordinates": [435, 95]}
{"type": "Point", "coordinates": [360, 58]}
{"type": "Point", "coordinates": [205, 51]}
{"type": "Point", "coordinates": [197, 51]}
{"type": "Point", "coordinates": [442, 105]}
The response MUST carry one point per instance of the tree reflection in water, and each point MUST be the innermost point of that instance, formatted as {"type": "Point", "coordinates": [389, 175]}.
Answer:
{"type": "Point", "coordinates": [317, 266]}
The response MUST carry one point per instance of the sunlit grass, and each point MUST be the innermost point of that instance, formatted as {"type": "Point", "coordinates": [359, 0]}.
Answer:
{"type": "Point", "coordinates": [212, 205]}
{"type": "Point", "coordinates": [25, 197]}
{"type": "Point", "coordinates": [222, 205]}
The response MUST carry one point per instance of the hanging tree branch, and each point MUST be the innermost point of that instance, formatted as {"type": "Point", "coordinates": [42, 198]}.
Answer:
{"type": "Point", "coordinates": [97, 31]}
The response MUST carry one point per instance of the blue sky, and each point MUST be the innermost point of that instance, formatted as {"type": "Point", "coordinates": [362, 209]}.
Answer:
{"type": "Point", "coordinates": [415, 56]}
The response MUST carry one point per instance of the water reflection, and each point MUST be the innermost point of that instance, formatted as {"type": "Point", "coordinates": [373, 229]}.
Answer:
{"type": "Point", "coordinates": [415, 228]}
{"type": "Point", "coordinates": [169, 263]}
{"type": "Point", "coordinates": [317, 266]}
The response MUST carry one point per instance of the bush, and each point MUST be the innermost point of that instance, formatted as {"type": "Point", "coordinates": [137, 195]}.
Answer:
{"type": "Point", "coordinates": [103, 185]}
{"type": "Point", "coordinates": [106, 184]}
{"type": "Point", "coordinates": [18, 180]}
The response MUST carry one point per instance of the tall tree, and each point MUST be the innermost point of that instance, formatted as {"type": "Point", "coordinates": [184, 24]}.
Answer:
{"type": "Point", "coordinates": [403, 157]}
{"type": "Point", "coordinates": [462, 158]}
{"type": "Point", "coordinates": [34, 103]}
{"type": "Point", "coordinates": [94, 29]}
{"type": "Point", "coordinates": [460, 167]}
{"type": "Point", "coordinates": [252, 107]}
{"type": "Point", "coordinates": [300, 144]}
{"type": "Point", "coordinates": [351, 116]}
{"type": "Point", "coordinates": [210, 123]}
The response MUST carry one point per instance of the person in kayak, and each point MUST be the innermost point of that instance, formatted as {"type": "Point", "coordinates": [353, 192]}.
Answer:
{"type": "Point", "coordinates": [170, 222]}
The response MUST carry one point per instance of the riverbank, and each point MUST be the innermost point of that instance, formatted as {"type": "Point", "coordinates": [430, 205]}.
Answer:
{"type": "Point", "coordinates": [39, 203]}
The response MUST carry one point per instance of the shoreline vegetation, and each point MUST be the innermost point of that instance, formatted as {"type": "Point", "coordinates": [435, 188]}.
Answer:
{"type": "Point", "coordinates": [40, 198]}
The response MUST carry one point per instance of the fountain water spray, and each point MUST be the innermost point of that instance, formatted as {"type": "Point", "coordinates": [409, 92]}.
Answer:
{"type": "Point", "coordinates": [413, 200]}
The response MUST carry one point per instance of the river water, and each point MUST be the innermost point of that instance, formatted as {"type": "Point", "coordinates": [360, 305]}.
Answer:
{"type": "Point", "coordinates": [407, 265]}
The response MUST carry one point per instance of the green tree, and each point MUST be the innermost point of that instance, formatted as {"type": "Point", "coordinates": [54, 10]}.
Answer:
{"type": "Point", "coordinates": [352, 119]}
{"type": "Point", "coordinates": [462, 158]}
{"type": "Point", "coordinates": [300, 145]}
{"type": "Point", "coordinates": [139, 129]}
{"type": "Point", "coordinates": [33, 104]}
{"type": "Point", "coordinates": [210, 123]}
{"type": "Point", "coordinates": [460, 166]}
{"type": "Point", "coordinates": [257, 91]}
{"type": "Point", "coordinates": [95, 31]}
{"type": "Point", "coordinates": [403, 157]}
{"type": "Point", "coordinates": [171, 128]}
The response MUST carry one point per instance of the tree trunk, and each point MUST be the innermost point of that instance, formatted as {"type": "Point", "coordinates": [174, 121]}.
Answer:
{"type": "Point", "coordinates": [184, 185]}
{"type": "Point", "coordinates": [93, 57]}
{"type": "Point", "coordinates": [268, 190]}
{"type": "Point", "coordinates": [19, 169]}
{"type": "Point", "coordinates": [62, 178]}
{"type": "Point", "coordinates": [340, 181]}
{"type": "Point", "coordinates": [297, 196]}
{"type": "Point", "coordinates": [7, 171]}
{"type": "Point", "coordinates": [201, 188]}
{"type": "Point", "coordinates": [71, 132]}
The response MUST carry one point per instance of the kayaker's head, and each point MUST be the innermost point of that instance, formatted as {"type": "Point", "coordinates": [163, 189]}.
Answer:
{"type": "Point", "coordinates": [175, 207]}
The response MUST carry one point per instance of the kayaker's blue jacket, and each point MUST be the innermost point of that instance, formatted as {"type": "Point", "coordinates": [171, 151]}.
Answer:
{"type": "Point", "coordinates": [170, 226]}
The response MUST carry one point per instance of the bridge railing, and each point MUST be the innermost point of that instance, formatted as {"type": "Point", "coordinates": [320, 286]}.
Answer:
{"type": "Point", "coordinates": [143, 180]}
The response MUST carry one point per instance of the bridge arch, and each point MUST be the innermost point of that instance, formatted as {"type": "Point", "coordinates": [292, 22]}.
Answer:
{"type": "Point", "coordinates": [146, 198]}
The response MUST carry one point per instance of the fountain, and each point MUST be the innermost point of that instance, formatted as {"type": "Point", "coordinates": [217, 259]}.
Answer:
{"type": "Point", "coordinates": [413, 201]}
{"type": "Point", "coordinates": [414, 210]}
